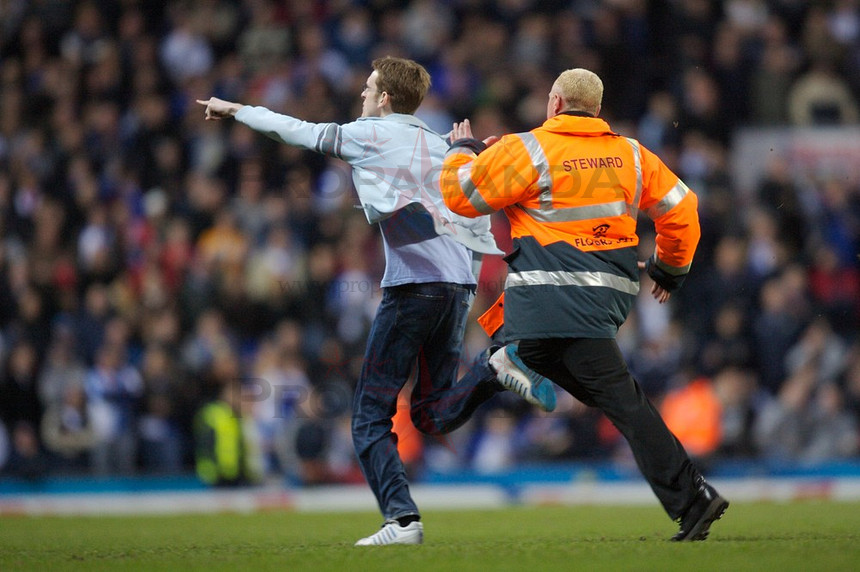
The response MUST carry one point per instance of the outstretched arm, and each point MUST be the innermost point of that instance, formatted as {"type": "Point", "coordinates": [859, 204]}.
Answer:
{"type": "Point", "coordinates": [325, 138]}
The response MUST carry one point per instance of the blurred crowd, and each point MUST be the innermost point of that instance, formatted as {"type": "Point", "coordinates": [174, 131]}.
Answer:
{"type": "Point", "coordinates": [167, 283]}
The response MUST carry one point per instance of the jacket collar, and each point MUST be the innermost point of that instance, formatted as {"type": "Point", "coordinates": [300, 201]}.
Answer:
{"type": "Point", "coordinates": [577, 113]}
{"type": "Point", "coordinates": [404, 118]}
{"type": "Point", "coordinates": [577, 122]}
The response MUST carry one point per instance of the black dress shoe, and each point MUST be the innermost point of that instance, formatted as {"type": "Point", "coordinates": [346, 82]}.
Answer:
{"type": "Point", "coordinates": [708, 507]}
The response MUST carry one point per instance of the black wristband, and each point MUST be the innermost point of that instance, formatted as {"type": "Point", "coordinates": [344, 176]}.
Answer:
{"type": "Point", "coordinates": [668, 282]}
{"type": "Point", "coordinates": [475, 145]}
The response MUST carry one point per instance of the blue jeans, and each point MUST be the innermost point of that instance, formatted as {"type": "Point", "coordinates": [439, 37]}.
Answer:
{"type": "Point", "coordinates": [420, 327]}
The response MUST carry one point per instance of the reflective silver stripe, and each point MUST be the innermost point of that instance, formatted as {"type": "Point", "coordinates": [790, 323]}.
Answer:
{"type": "Point", "coordinates": [571, 214]}
{"type": "Point", "coordinates": [671, 270]}
{"type": "Point", "coordinates": [541, 165]}
{"type": "Point", "coordinates": [547, 213]}
{"type": "Point", "coordinates": [560, 278]}
{"type": "Point", "coordinates": [329, 140]}
{"type": "Point", "coordinates": [637, 162]}
{"type": "Point", "coordinates": [470, 191]}
{"type": "Point", "coordinates": [670, 201]}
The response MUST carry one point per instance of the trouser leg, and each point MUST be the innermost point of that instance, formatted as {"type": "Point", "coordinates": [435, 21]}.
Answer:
{"type": "Point", "coordinates": [596, 370]}
{"type": "Point", "coordinates": [446, 408]}
{"type": "Point", "coordinates": [441, 402]}
{"type": "Point", "coordinates": [388, 362]}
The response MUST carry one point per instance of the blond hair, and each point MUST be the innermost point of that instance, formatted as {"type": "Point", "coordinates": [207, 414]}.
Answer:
{"type": "Point", "coordinates": [581, 90]}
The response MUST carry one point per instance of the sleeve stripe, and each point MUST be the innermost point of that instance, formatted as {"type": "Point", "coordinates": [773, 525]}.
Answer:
{"type": "Point", "coordinates": [470, 191]}
{"type": "Point", "coordinates": [637, 162]}
{"type": "Point", "coordinates": [675, 195]}
{"type": "Point", "coordinates": [329, 140]}
{"type": "Point", "coordinates": [672, 270]}
{"type": "Point", "coordinates": [541, 165]}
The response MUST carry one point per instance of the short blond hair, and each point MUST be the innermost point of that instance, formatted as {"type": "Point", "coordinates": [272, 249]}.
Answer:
{"type": "Point", "coordinates": [581, 90]}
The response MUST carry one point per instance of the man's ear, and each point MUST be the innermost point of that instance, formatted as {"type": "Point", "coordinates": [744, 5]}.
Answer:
{"type": "Point", "coordinates": [557, 104]}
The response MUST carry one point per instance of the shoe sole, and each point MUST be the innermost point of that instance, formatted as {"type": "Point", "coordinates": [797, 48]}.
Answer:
{"type": "Point", "coordinates": [410, 542]}
{"type": "Point", "coordinates": [543, 394]}
{"type": "Point", "coordinates": [412, 539]}
{"type": "Point", "coordinates": [715, 511]}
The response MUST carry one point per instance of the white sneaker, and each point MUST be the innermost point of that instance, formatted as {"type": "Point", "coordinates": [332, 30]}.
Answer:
{"type": "Point", "coordinates": [393, 533]}
{"type": "Point", "coordinates": [516, 376]}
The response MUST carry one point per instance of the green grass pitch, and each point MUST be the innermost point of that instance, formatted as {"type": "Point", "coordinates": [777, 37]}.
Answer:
{"type": "Point", "coordinates": [808, 535]}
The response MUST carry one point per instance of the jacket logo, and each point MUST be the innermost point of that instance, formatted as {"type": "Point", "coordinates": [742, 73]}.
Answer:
{"type": "Point", "coordinates": [600, 230]}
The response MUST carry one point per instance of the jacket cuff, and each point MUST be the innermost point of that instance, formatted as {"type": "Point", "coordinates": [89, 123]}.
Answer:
{"type": "Point", "coordinates": [668, 282]}
{"type": "Point", "coordinates": [474, 145]}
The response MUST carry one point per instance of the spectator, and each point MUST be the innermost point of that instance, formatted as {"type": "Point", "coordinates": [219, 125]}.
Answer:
{"type": "Point", "coordinates": [223, 446]}
{"type": "Point", "coordinates": [20, 407]}
{"type": "Point", "coordinates": [765, 252]}
{"type": "Point", "coordinates": [26, 458]}
{"type": "Point", "coordinates": [114, 388]}
{"type": "Point", "coordinates": [694, 414]}
{"type": "Point", "coordinates": [838, 219]}
{"type": "Point", "coordinates": [738, 394]}
{"type": "Point", "coordinates": [265, 41]}
{"type": "Point", "coordinates": [211, 337]}
{"type": "Point", "coordinates": [322, 442]}
{"type": "Point", "coordinates": [726, 279]}
{"type": "Point", "coordinates": [835, 289]}
{"type": "Point", "coordinates": [821, 97]}
{"type": "Point", "coordinates": [729, 344]}
{"type": "Point", "coordinates": [653, 356]}
{"type": "Point", "coordinates": [778, 192]}
{"type": "Point", "coordinates": [819, 348]}
{"type": "Point", "coordinates": [284, 395]}
{"type": "Point", "coordinates": [68, 430]}
{"type": "Point", "coordinates": [161, 445]}
{"type": "Point", "coordinates": [775, 330]}
{"type": "Point", "coordinates": [701, 108]}
{"type": "Point", "coordinates": [807, 422]}
{"type": "Point", "coordinates": [87, 42]}
{"type": "Point", "coordinates": [185, 51]}
{"type": "Point", "coordinates": [224, 247]}
{"type": "Point", "coordinates": [33, 323]}
{"type": "Point", "coordinates": [62, 367]}
{"type": "Point", "coordinates": [656, 127]}
{"type": "Point", "coordinates": [772, 75]}
{"type": "Point", "coordinates": [494, 450]}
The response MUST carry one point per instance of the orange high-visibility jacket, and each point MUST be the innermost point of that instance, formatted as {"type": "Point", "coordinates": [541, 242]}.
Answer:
{"type": "Point", "coordinates": [693, 413]}
{"type": "Point", "coordinates": [572, 190]}
{"type": "Point", "coordinates": [493, 318]}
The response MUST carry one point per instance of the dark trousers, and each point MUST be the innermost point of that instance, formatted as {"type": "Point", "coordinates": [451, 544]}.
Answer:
{"type": "Point", "coordinates": [417, 327]}
{"type": "Point", "coordinates": [594, 371]}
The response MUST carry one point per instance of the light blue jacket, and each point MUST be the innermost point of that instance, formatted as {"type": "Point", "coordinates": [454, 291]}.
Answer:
{"type": "Point", "coordinates": [396, 161]}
